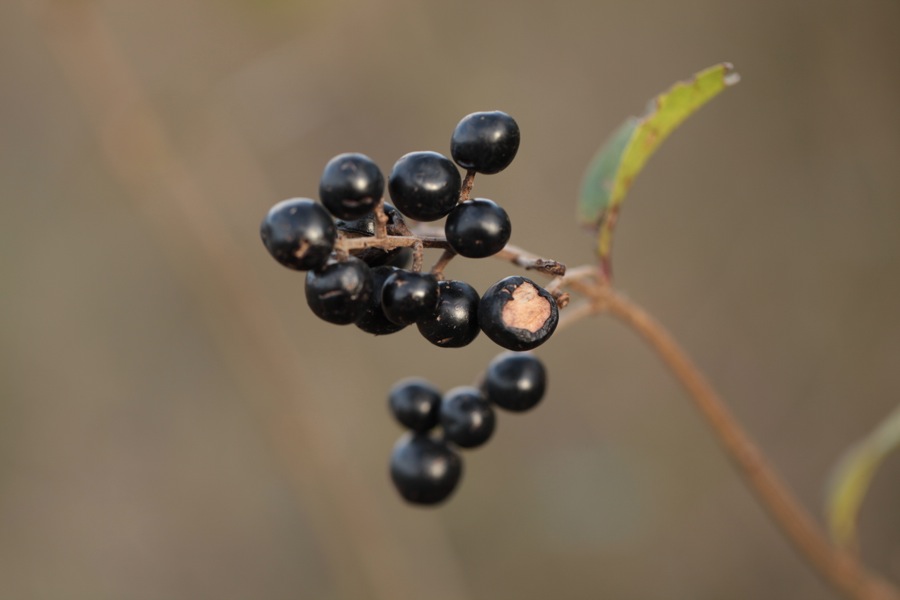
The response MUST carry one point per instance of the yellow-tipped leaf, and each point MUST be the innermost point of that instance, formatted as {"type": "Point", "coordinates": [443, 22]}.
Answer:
{"type": "Point", "coordinates": [612, 171]}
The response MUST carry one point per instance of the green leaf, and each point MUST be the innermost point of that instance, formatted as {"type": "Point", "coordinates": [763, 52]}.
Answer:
{"type": "Point", "coordinates": [612, 171]}
{"type": "Point", "coordinates": [597, 186]}
{"type": "Point", "coordinates": [851, 478]}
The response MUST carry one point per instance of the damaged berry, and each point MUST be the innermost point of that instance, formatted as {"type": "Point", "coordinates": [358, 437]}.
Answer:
{"type": "Point", "coordinates": [518, 314]}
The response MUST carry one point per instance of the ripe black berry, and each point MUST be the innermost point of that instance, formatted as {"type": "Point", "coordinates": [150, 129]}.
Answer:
{"type": "Point", "coordinates": [518, 314]}
{"type": "Point", "coordinates": [408, 296]}
{"type": "Point", "coordinates": [467, 417]}
{"type": "Point", "coordinates": [400, 258]}
{"type": "Point", "coordinates": [423, 470]}
{"type": "Point", "coordinates": [373, 320]}
{"type": "Point", "coordinates": [477, 228]}
{"type": "Point", "coordinates": [298, 233]}
{"type": "Point", "coordinates": [515, 381]}
{"type": "Point", "coordinates": [415, 403]}
{"type": "Point", "coordinates": [365, 227]}
{"type": "Point", "coordinates": [424, 185]}
{"type": "Point", "coordinates": [339, 291]}
{"type": "Point", "coordinates": [351, 186]}
{"type": "Point", "coordinates": [486, 142]}
{"type": "Point", "coordinates": [454, 321]}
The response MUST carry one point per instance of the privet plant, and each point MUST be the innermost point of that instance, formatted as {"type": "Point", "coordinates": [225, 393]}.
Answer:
{"type": "Point", "coordinates": [364, 264]}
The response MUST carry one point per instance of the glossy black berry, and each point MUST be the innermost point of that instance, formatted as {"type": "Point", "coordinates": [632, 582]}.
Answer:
{"type": "Point", "coordinates": [400, 258]}
{"type": "Point", "coordinates": [518, 314]}
{"type": "Point", "coordinates": [486, 142]}
{"type": "Point", "coordinates": [467, 417]}
{"type": "Point", "coordinates": [424, 185]}
{"type": "Point", "coordinates": [365, 227]}
{"type": "Point", "coordinates": [339, 291]}
{"type": "Point", "coordinates": [298, 233]}
{"type": "Point", "coordinates": [351, 186]}
{"type": "Point", "coordinates": [477, 228]}
{"type": "Point", "coordinates": [415, 403]}
{"type": "Point", "coordinates": [424, 471]}
{"type": "Point", "coordinates": [408, 296]}
{"type": "Point", "coordinates": [454, 321]}
{"type": "Point", "coordinates": [373, 320]}
{"type": "Point", "coordinates": [515, 381]}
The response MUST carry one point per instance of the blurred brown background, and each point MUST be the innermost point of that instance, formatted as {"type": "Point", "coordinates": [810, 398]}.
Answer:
{"type": "Point", "coordinates": [175, 424]}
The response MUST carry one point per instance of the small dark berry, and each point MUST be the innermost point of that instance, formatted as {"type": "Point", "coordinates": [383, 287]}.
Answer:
{"type": "Point", "coordinates": [351, 186]}
{"type": "Point", "coordinates": [423, 470]}
{"type": "Point", "coordinates": [298, 233]}
{"type": "Point", "coordinates": [408, 296]}
{"type": "Point", "coordinates": [486, 142]}
{"type": "Point", "coordinates": [415, 403]}
{"type": "Point", "coordinates": [400, 258]}
{"type": "Point", "coordinates": [339, 291]}
{"type": "Point", "coordinates": [477, 228]}
{"type": "Point", "coordinates": [454, 321]}
{"type": "Point", "coordinates": [467, 417]}
{"type": "Point", "coordinates": [373, 320]}
{"type": "Point", "coordinates": [365, 227]}
{"type": "Point", "coordinates": [424, 185]}
{"type": "Point", "coordinates": [515, 381]}
{"type": "Point", "coordinates": [518, 314]}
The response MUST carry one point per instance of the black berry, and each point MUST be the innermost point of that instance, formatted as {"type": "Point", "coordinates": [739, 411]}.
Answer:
{"type": "Point", "coordinates": [467, 417]}
{"type": "Point", "coordinates": [486, 142]}
{"type": "Point", "coordinates": [424, 185]}
{"type": "Point", "coordinates": [400, 258]}
{"type": "Point", "coordinates": [351, 186]}
{"type": "Point", "coordinates": [408, 296]}
{"type": "Point", "coordinates": [518, 314]}
{"type": "Point", "coordinates": [477, 228]}
{"type": "Point", "coordinates": [515, 381]}
{"type": "Point", "coordinates": [424, 471]}
{"type": "Point", "coordinates": [373, 320]}
{"type": "Point", "coordinates": [339, 291]}
{"type": "Point", "coordinates": [365, 227]}
{"type": "Point", "coordinates": [415, 403]}
{"type": "Point", "coordinates": [454, 321]}
{"type": "Point", "coordinates": [298, 233]}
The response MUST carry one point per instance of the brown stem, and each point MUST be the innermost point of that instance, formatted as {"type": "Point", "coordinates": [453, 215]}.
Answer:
{"type": "Point", "coordinates": [430, 238]}
{"type": "Point", "coordinates": [390, 242]}
{"type": "Point", "coordinates": [418, 257]}
{"type": "Point", "coordinates": [839, 568]}
{"type": "Point", "coordinates": [523, 259]}
{"type": "Point", "coordinates": [438, 269]}
{"type": "Point", "coordinates": [467, 185]}
{"type": "Point", "coordinates": [574, 314]}
{"type": "Point", "coordinates": [381, 220]}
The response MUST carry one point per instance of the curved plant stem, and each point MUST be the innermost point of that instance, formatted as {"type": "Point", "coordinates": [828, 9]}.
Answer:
{"type": "Point", "coordinates": [839, 568]}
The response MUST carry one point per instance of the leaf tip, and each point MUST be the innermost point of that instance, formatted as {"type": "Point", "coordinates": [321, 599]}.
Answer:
{"type": "Point", "coordinates": [730, 77]}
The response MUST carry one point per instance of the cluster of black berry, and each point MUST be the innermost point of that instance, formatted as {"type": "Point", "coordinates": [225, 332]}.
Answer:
{"type": "Point", "coordinates": [425, 468]}
{"type": "Point", "coordinates": [357, 265]}
{"type": "Point", "coordinates": [357, 251]}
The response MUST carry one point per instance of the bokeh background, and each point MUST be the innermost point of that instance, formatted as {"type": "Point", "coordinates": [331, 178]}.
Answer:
{"type": "Point", "coordinates": [175, 424]}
